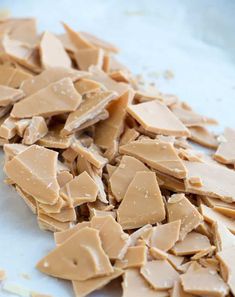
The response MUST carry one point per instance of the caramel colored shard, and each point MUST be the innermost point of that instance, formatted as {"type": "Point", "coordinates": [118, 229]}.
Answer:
{"type": "Point", "coordinates": [80, 257]}
{"type": "Point", "coordinates": [223, 238]}
{"type": "Point", "coordinates": [52, 52]}
{"type": "Point", "coordinates": [206, 253]}
{"type": "Point", "coordinates": [77, 39]}
{"type": "Point", "coordinates": [176, 261]}
{"type": "Point", "coordinates": [57, 98]}
{"type": "Point", "coordinates": [109, 130]}
{"type": "Point", "coordinates": [89, 109]}
{"type": "Point", "coordinates": [227, 209]}
{"type": "Point", "coordinates": [189, 117]}
{"type": "Point", "coordinates": [66, 214]}
{"type": "Point", "coordinates": [47, 223]}
{"type": "Point", "coordinates": [35, 130]}
{"type": "Point", "coordinates": [80, 190]}
{"type": "Point", "coordinates": [46, 77]}
{"type": "Point", "coordinates": [142, 203]}
{"type": "Point", "coordinates": [158, 155]}
{"type": "Point", "coordinates": [124, 174]}
{"type": "Point", "coordinates": [227, 261]}
{"type": "Point", "coordinates": [61, 237]}
{"type": "Point", "coordinates": [203, 137]}
{"type": "Point", "coordinates": [177, 291]}
{"type": "Point", "coordinates": [28, 199]}
{"type": "Point", "coordinates": [225, 152]}
{"type": "Point", "coordinates": [120, 76]}
{"type": "Point", "coordinates": [204, 282]}
{"type": "Point", "coordinates": [83, 288]}
{"type": "Point", "coordinates": [136, 256]}
{"type": "Point", "coordinates": [210, 174]}
{"type": "Point", "coordinates": [21, 125]}
{"type": "Point", "coordinates": [158, 254]}
{"type": "Point", "coordinates": [165, 236]}
{"type": "Point", "coordinates": [87, 57]}
{"type": "Point", "coordinates": [180, 208]}
{"type": "Point", "coordinates": [54, 208]}
{"type": "Point", "coordinates": [159, 274]}
{"type": "Point", "coordinates": [13, 149]}
{"type": "Point", "coordinates": [157, 118]}
{"type": "Point", "coordinates": [212, 216]}
{"type": "Point", "coordinates": [8, 128]}
{"type": "Point", "coordinates": [53, 139]}
{"type": "Point", "coordinates": [85, 86]}
{"type": "Point", "coordinates": [63, 178]}
{"type": "Point", "coordinates": [128, 136]}
{"type": "Point", "coordinates": [9, 95]}
{"type": "Point", "coordinates": [193, 243]}
{"type": "Point", "coordinates": [170, 183]}
{"type": "Point", "coordinates": [92, 154]}
{"type": "Point", "coordinates": [12, 77]}
{"type": "Point", "coordinates": [36, 176]}
{"type": "Point", "coordinates": [114, 240]}
{"type": "Point", "coordinates": [2, 275]}
{"type": "Point", "coordinates": [135, 285]}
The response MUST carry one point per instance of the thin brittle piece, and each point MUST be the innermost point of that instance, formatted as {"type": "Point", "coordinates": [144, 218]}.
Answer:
{"type": "Point", "coordinates": [87, 57]}
{"type": "Point", "coordinates": [225, 152]}
{"type": "Point", "coordinates": [35, 130]}
{"type": "Point", "coordinates": [9, 95]}
{"type": "Point", "coordinates": [136, 256]}
{"type": "Point", "coordinates": [203, 137]}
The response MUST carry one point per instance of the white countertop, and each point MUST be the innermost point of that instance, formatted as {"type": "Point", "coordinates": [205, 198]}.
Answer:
{"type": "Point", "coordinates": [194, 39]}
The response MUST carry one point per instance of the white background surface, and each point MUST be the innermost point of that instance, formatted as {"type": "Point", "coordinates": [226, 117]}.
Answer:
{"type": "Point", "coordinates": [195, 39]}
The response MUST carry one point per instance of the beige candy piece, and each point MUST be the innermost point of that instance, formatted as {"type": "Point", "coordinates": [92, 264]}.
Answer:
{"type": "Point", "coordinates": [136, 256]}
{"type": "Point", "coordinates": [135, 285]}
{"type": "Point", "coordinates": [177, 291]}
{"type": "Point", "coordinates": [61, 237]}
{"type": "Point", "coordinates": [109, 130]}
{"type": "Point", "coordinates": [158, 254]}
{"type": "Point", "coordinates": [193, 243]}
{"type": "Point", "coordinates": [212, 216]}
{"type": "Point", "coordinates": [9, 95]}
{"type": "Point", "coordinates": [157, 118]}
{"type": "Point", "coordinates": [189, 117]}
{"type": "Point", "coordinates": [165, 236]}
{"type": "Point", "coordinates": [203, 137]}
{"type": "Point", "coordinates": [120, 76]}
{"type": "Point", "coordinates": [206, 253]}
{"type": "Point", "coordinates": [8, 128]}
{"type": "Point", "coordinates": [63, 178]}
{"type": "Point", "coordinates": [80, 257]}
{"type": "Point", "coordinates": [21, 125]}
{"type": "Point", "coordinates": [80, 190]}
{"type": "Point", "coordinates": [13, 149]}
{"type": "Point", "coordinates": [89, 109]}
{"type": "Point", "coordinates": [227, 209]}
{"type": "Point", "coordinates": [161, 156]}
{"type": "Point", "coordinates": [210, 174]}
{"type": "Point", "coordinates": [53, 139]}
{"type": "Point", "coordinates": [49, 224]}
{"type": "Point", "coordinates": [54, 208]}
{"type": "Point", "coordinates": [102, 77]}
{"type": "Point", "coordinates": [36, 176]}
{"type": "Point", "coordinates": [87, 57]}
{"type": "Point", "coordinates": [51, 75]}
{"type": "Point", "coordinates": [83, 288]}
{"type": "Point", "coordinates": [57, 98]}
{"type": "Point", "coordinates": [227, 266]}
{"type": "Point", "coordinates": [142, 203]}
{"type": "Point", "coordinates": [170, 183]}
{"type": "Point", "coordinates": [103, 115]}
{"type": "Point", "coordinates": [223, 238]}
{"type": "Point", "coordinates": [225, 152]}
{"type": "Point", "coordinates": [77, 39]}
{"type": "Point", "coordinates": [28, 199]}
{"type": "Point", "coordinates": [180, 208]}
{"type": "Point", "coordinates": [92, 154]}
{"type": "Point", "coordinates": [85, 86]}
{"type": "Point", "coordinates": [52, 52]}
{"type": "Point", "coordinates": [114, 240]}
{"type": "Point", "coordinates": [204, 282]}
{"type": "Point", "coordinates": [123, 175]}
{"type": "Point", "coordinates": [128, 136]}
{"type": "Point", "coordinates": [176, 261]}
{"type": "Point", "coordinates": [35, 130]}
{"type": "Point", "coordinates": [12, 77]}
{"type": "Point", "coordinates": [66, 214]}
{"type": "Point", "coordinates": [100, 43]}
{"type": "Point", "coordinates": [159, 274]}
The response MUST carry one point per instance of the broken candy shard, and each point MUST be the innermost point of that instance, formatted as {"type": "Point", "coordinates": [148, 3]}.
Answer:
{"type": "Point", "coordinates": [93, 104]}
{"type": "Point", "coordinates": [46, 77]}
{"type": "Point", "coordinates": [142, 203]}
{"type": "Point", "coordinates": [57, 98]}
{"type": "Point", "coordinates": [87, 57]}
{"type": "Point", "coordinates": [80, 257]}
{"type": "Point", "coordinates": [161, 156]}
{"type": "Point", "coordinates": [34, 170]}
{"type": "Point", "coordinates": [52, 52]}
{"type": "Point", "coordinates": [203, 137]}
{"type": "Point", "coordinates": [35, 130]}
{"type": "Point", "coordinates": [225, 153]}
{"type": "Point", "coordinates": [136, 256]}
{"type": "Point", "coordinates": [9, 95]}
{"type": "Point", "coordinates": [204, 282]}
{"type": "Point", "coordinates": [157, 118]}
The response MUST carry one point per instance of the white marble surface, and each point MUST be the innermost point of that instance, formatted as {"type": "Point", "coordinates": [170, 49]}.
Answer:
{"type": "Point", "coordinates": [194, 39]}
